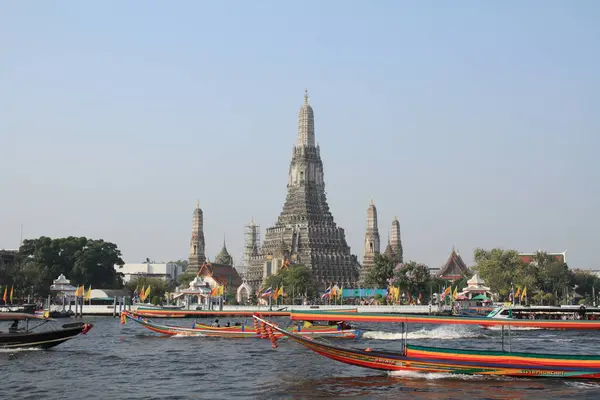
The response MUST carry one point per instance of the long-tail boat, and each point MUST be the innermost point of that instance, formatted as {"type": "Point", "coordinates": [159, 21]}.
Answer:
{"type": "Point", "coordinates": [446, 360]}
{"type": "Point", "coordinates": [24, 333]}
{"type": "Point", "coordinates": [443, 320]}
{"type": "Point", "coordinates": [240, 331]}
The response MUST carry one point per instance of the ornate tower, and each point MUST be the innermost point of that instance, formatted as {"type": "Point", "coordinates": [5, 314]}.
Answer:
{"type": "Point", "coordinates": [305, 226]}
{"type": "Point", "coordinates": [197, 255]}
{"type": "Point", "coordinates": [224, 257]}
{"type": "Point", "coordinates": [394, 248]}
{"type": "Point", "coordinates": [372, 243]}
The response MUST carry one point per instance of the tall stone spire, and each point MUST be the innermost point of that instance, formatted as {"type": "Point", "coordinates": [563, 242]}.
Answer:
{"type": "Point", "coordinates": [305, 228]}
{"type": "Point", "coordinates": [372, 242]}
{"type": "Point", "coordinates": [396, 241]}
{"type": "Point", "coordinates": [306, 124]}
{"type": "Point", "coordinates": [197, 251]}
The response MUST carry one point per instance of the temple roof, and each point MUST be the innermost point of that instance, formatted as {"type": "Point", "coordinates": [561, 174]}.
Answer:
{"type": "Point", "coordinates": [224, 257]}
{"type": "Point", "coordinates": [455, 267]}
{"type": "Point", "coordinates": [475, 281]}
{"type": "Point", "coordinates": [223, 274]}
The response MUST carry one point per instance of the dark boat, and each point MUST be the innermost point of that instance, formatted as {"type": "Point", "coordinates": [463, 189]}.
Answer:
{"type": "Point", "coordinates": [24, 333]}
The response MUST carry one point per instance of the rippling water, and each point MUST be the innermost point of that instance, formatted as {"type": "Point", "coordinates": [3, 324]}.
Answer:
{"type": "Point", "coordinates": [115, 361]}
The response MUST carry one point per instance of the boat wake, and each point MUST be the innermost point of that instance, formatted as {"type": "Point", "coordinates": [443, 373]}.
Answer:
{"type": "Point", "coordinates": [19, 349]}
{"type": "Point", "coordinates": [433, 375]}
{"type": "Point", "coordinates": [442, 332]}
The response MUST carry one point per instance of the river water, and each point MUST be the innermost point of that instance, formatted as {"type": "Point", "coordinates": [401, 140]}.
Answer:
{"type": "Point", "coordinates": [115, 361]}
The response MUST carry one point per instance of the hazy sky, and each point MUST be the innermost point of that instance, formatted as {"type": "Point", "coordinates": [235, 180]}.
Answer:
{"type": "Point", "coordinates": [476, 123]}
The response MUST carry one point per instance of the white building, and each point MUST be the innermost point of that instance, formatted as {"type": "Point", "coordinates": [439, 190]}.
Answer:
{"type": "Point", "coordinates": [149, 269]}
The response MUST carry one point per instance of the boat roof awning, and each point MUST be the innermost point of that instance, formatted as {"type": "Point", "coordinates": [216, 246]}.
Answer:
{"type": "Point", "coordinates": [12, 316]}
{"type": "Point", "coordinates": [480, 297]}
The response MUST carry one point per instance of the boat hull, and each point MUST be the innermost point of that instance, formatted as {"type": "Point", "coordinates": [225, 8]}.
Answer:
{"type": "Point", "coordinates": [452, 361]}
{"type": "Point", "coordinates": [43, 340]}
{"type": "Point", "coordinates": [236, 332]}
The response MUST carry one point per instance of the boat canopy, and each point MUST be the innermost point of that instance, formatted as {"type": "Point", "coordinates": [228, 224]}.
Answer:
{"type": "Point", "coordinates": [12, 316]}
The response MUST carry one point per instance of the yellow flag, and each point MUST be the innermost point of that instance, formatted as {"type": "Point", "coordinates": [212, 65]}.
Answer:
{"type": "Point", "coordinates": [147, 292]}
{"type": "Point", "coordinates": [524, 294]}
{"type": "Point", "coordinates": [11, 293]}
{"type": "Point", "coordinates": [455, 294]}
{"type": "Point", "coordinates": [88, 295]}
{"type": "Point", "coordinates": [518, 291]}
{"type": "Point", "coordinates": [4, 297]}
{"type": "Point", "coordinates": [221, 289]}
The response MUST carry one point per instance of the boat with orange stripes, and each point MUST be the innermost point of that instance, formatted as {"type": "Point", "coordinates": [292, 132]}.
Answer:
{"type": "Point", "coordinates": [340, 330]}
{"type": "Point", "coordinates": [446, 360]}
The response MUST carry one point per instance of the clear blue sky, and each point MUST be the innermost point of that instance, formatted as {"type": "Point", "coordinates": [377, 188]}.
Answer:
{"type": "Point", "coordinates": [476, 123]}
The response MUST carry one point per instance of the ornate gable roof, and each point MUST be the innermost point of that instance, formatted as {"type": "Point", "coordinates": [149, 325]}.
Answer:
{"type": "Point", "coordinates": [223, 274]}
{"type": "Point", "coordinates": [224, 257]}
{"type": "Point", "coordinates": [455, 268]}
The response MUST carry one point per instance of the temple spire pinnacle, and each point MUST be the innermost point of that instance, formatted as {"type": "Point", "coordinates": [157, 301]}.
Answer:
{"type": "Point", "coordinates": [306, 124]}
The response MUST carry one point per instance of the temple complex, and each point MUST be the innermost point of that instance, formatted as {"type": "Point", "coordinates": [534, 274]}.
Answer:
{"type": "Point", "coordinates": [197, 249]}
{"type": "Point", "coordinates": [305, 232]}
{"type": "Point", "coordinates": [372, 243]}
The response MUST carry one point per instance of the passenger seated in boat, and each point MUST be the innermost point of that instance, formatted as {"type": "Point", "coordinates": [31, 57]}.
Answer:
{"type": "Point", "coordinates": [216, 323]}
{"type": "Point", "coordinates": [343, 326]}
{"type": "Point", "coordinates": [228, 324]}
{"type": "Point", "coordinates": [237, 324]}
{"type": "Point", "coordinates": [14, 327]}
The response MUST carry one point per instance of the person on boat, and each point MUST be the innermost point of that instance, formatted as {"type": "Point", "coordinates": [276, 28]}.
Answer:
{"type": "Point", "coordinates": [216, 323]}
{"type": "Point", "coordinates": [14, 327]}
{"type": "Point", "coordinates": [237, 324]}
{"type": "Point", "coordinates": [308, 324]}
{"type": "Point", "coordinates": [228, 324]}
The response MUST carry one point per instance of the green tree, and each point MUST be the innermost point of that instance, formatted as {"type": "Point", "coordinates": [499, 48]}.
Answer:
{"type": "Point", "coordinates": [297, 280]}
{"type": "Point", "coordinates": [415, 278]}
{"type": "Point", "coordinates": [158, 287]}
{"type": "Point", "coordinates": [500, 269]}
{"type": "Point", "coordinates": [82, 260]}
{"type": "Point", "coordinates": [381, 272]}
{"type": "Point", "coordinates": [553, 276]}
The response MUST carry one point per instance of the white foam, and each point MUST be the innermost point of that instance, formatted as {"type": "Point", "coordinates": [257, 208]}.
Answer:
{"type": "Point", "coordinates": [432, 375]}
{"type": "Point", "coordinates": [442, 332]}
{"type": "Point", "coordinates": [14, 349]}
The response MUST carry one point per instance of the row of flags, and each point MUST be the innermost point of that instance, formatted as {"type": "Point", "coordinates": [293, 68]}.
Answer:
{"type": "Point", "coordinates": [80, 292]}
{"type": "Point", "coordinates": [523, 293]}
{"type": "Point", "coordinates": [5, 297]}
{"type": "Point", "coordinates": [141, 294]}
{"type": "Point", "coordinates": [394, 294]}
{"type": "Point", "coordinates": [274, 294]}
{"type": "Point", "coordinates": [333, 292]}
{"type": "Point", "coordinates": [217, 290]}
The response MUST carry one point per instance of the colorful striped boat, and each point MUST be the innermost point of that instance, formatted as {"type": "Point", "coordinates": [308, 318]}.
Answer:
{"type": "Point", "coordinates": [237, 332]}
{"type": "Point", "coordinates": [452, 361]}
{"type": "Point", "coordinates": [441, 320]}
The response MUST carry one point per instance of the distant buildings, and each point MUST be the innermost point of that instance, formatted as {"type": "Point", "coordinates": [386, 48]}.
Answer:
{"type": "Point", "coordinates": [528, 257]}
{"type": "Point", "coordinates": [165, 271]}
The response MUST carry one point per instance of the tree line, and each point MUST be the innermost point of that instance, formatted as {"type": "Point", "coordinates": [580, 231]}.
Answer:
{"type": "Point", "coordinates": [548, 279]}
